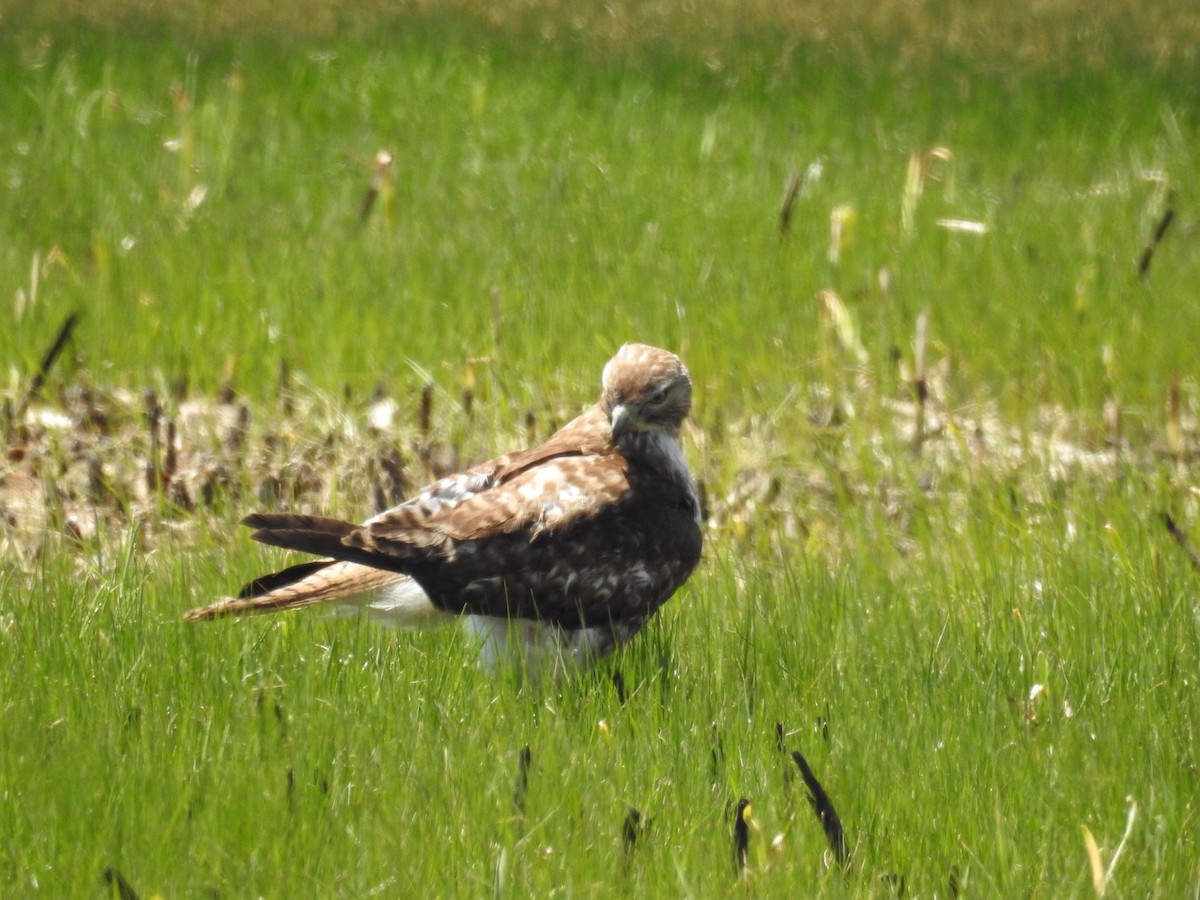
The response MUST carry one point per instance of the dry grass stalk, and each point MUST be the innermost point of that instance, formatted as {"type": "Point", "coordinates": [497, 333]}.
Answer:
{"type": "Point", "coordinates": [1095, 863]}
{"type": "Point", "coordinates": [825, 812]}
{"type": "Point", "coordinates": [839, 231]}
{"type": "Point", "coordinates": [1102, 876]}
{"type": "Point", "coordinates": [914, 186]}
{"type": "Point", "coordinates": [790, 192]}
{"type": "Point", "coordinates": [1182, 539]}
{"type": "Point", "coordinates": [380, 180]}
{"type": "Point", "coordinates": [497, 299]}
{"type": "Point", "coordinates": [1175, 442]}
{"type": "Point", "coordinates": [39, 377]}
{"type": "Point", "coordinates": [1160, 232]}
{"type": "Point", "coordinates": [920, 385]}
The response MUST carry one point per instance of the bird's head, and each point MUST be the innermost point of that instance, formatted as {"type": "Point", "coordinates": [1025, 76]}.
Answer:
{"type": "Point", "coordinates": [646, 390]}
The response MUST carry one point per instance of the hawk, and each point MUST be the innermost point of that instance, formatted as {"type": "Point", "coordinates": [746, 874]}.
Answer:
{"type": "Point", "coordinates": [562, 550]}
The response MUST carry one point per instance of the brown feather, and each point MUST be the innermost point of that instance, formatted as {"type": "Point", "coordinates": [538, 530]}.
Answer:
{"type": "Point", "coordinates": [310, 534]}
{"type": "Point", "coordinates": [306, 584]}
{"type": "Point", "coordinates": [265, 584]}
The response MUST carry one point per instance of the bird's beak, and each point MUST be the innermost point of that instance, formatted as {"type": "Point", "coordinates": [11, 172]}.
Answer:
{"type": "Point", "coordinates": [622, 421]}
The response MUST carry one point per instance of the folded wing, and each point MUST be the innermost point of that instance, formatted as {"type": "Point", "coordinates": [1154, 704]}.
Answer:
{"type": "Point", "coordinates": [568, 540]}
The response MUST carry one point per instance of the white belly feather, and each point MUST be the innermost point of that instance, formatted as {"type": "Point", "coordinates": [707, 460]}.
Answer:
{"type": "Point", "coordinates": [542, 647]}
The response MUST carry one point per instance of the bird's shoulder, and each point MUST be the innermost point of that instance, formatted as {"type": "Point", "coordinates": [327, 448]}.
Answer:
{"type": "Point", "coordinates": [575, 470]}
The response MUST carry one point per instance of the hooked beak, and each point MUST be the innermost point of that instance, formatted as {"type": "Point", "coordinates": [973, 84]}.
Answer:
{"type": "Point", "coordinates": [622, 418]}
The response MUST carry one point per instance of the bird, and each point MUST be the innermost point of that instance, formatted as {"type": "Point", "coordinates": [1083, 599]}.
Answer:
{"type": "Point", "coordinates": [557, 554]}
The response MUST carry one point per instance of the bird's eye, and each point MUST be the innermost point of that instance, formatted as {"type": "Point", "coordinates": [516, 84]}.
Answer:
{"type": "Point", "coordinates": [656, 397]}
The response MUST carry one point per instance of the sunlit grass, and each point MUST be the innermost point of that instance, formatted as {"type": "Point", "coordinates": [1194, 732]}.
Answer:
{"type": "Point", "coordinates": [982, 647]}
{"type": "Point", "coordinates": [966, 716]}
{"type": "Point", "coordinates": [206, 199]}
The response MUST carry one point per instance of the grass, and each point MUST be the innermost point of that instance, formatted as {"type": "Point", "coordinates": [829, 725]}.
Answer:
{"type": "Point", "coordinates": [317, 756]}
{"type": "Point", "coordinates": [546, 196]}
{"type": "Point", "coordinates": [981, 647]}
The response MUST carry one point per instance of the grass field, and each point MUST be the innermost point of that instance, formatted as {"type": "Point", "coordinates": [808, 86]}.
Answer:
{"type": "Point", "coordinates": [966, 613]}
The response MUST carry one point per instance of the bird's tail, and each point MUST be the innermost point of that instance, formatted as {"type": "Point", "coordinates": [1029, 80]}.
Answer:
{"type": "Point", "coordinates": [348, 579]}
{"type": "Point", "coordinates": [320, 535]}
{"type": "Point", "coordinates": [307, 584]}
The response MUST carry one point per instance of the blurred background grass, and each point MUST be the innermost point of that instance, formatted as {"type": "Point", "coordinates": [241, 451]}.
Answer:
{"type": "Point", "coordinates": [193, 176]}
{"type": "Point", "coordinates": [1062, 33]}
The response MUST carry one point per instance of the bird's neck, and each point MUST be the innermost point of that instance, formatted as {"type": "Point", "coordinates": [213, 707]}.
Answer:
{"type": "Point", "coordinates": [660, 451]}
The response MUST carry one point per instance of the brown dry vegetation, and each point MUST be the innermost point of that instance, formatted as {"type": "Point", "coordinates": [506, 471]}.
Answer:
{"type": "Point", "coordinates": [89, 466]}
{"type": "Point", "coordinates": [96, 463]}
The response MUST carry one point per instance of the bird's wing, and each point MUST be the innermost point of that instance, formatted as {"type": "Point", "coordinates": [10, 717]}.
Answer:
{"type": "Point", "coordinates": [495, 495]}
{"type": "Point", "coordinates": [584, 435]}
{"type": "Point", "coordinates": [488, 496]}
{"type": "Point", "coordinates": [530, 491]}
{"type": "Point", "coordinates": [527, 496]}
